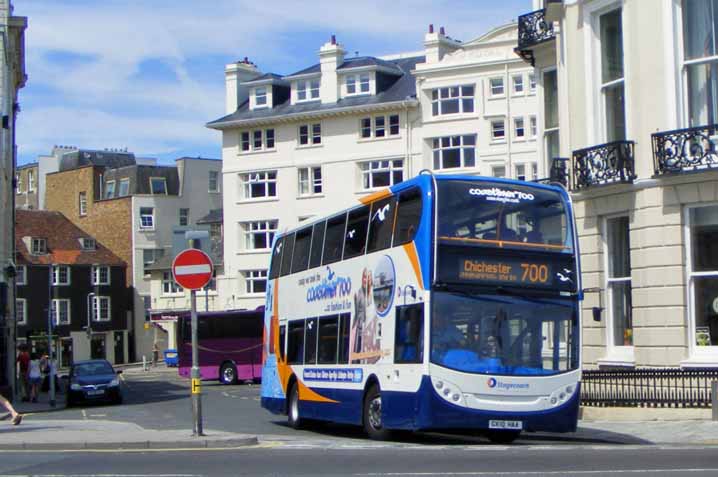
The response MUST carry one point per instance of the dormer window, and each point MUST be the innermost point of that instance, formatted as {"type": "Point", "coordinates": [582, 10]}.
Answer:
{"type": "Point", "coordinates": [260, 97]}
{"type": "Point", "coordinates": [88, 243]}
{"type": "Point", "coordinates": [158, 185]}
{"type": "Point", "coordinates": [39, 246]}
{"type": "Point", "coordinates": [357, 84]}
{"type": "Point", "coordinates": [307, 90]}
{"type": "Point", "coordinates": [124, 188]}
{"type": "Point", "coordinates": [110, 189]}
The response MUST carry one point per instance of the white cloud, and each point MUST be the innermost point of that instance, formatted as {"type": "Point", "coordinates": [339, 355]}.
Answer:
{"type": "Point", "coordinates": [115, 38]}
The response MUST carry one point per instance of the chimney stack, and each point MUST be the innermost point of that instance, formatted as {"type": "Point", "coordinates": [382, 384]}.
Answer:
{"type": "Point", "coordinates": [331, 57]}
{"type": "Point", "coordinates": [234, 74]}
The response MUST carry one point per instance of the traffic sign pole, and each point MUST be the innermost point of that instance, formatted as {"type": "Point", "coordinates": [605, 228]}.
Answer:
{"type": "Point", "coordinates": [192, 269]}
{"type": "Point", "coordinates": [196, 387]}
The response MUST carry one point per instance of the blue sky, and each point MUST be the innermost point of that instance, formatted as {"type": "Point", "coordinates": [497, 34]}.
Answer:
{"type": "Point", "coordinates": [148, 74]}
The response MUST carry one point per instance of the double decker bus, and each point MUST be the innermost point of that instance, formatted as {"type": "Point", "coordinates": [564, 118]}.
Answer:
{"type": "Point", "coordinates": [229, 345]}
{"type": "Point", "coordinates": [443, 302]}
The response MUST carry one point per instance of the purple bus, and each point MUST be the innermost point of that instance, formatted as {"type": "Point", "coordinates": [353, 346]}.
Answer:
{"type": "Point", "coordinates": [230, 345]}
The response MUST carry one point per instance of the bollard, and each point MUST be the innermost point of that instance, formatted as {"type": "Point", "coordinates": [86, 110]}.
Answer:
{"type": "Point", "coordinates": [144, 363]}
{"type": "Point", "coordinates": [714, 399]}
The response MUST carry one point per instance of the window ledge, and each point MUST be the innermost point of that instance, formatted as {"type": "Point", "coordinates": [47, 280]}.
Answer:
{"type": "Point", "coordinates": [142, 229]}
{"type": "Point", "coordinates": [520, 139]}
{"type": "Point", "coordinates": [701, 362]}
{"type": "Point", "coordinates": [260, 151]}
{"type": "Point", "coordinates": [172, 295]}
{"type": "Point", "coordinates": [258, 200]}
{"type": "Point", "coordinates": [375, 139]}
{"type": "Point", "coordinates": [497, 142]}
{"type": "Point", "coordinates": [305, 101]}
{"type": "Point", "coordinates": [310, 196]}
{"type": "Point", "coordinates": [520, 94]}
{"type": "Point", "coordinates": [452, 117]}
{"type": "Point", "coordinates": [609, 362]}
{"type": "Point", "coordinates": [256, 251]}
{"type": "Point", "coordinates": [309, 146]}
{"type": "Point", "coordinates": [498, 96]}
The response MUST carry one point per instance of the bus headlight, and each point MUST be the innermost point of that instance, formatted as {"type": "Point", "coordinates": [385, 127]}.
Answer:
{"type": "Point", "coordinates": [75, 387]}
{"type": "Point", "coordinates": [439, 384]}
{"type": "Point", "coordinates": [447, 391]}
{"type": "Point", "coordinates": [554, 400]}
{"type": "Point", "coordinates": [569, 390]}
{"type": "Point", "coordinates": [455, 397]}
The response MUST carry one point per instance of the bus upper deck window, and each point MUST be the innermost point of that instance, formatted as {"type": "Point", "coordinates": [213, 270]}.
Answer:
{"type": "Point", "coordinates": [357, 225]}
{"type": "Point", "coordinates": [334, 239]}
{"type": "Point", "coordinates": [302, 242]}
{"type": "Point", "coordinates": [381, 224]}
{"type": "Point", "coordinates": [287, 254]}
{"type": "Point", "coordinates": [276, 264]}
{"type": "Point", "coordinates": [408, 216]}
{"type": "Point", "coordinates": [315, 255]}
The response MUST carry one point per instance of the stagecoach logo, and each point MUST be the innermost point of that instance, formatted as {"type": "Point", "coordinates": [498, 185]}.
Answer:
{"type": "Point", "coordinates": [494, 383]}
{"type": "Point", "coordinates": [502, 195]}
{"type": "Point", "coordinates": [331, 286]}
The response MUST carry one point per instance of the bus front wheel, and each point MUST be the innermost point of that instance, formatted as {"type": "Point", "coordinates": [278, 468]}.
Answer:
{"type": "Point", "coordinates": [503, 437]}
{"type": "Point", "coordinates": [295, 422]}
{"type": "Point", "coordinates": [228, 374]}
{"type": "Point", "coordinates": [373, 423]}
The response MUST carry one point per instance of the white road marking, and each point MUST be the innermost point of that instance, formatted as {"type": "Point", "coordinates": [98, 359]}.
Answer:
{"type": "Point", "coordinates": [98, 415]}
{"type": "Point", "coordinates": [102, 475]}
{"type": "Point", "coordinates": [193, 269]}
{"type": "Point", "coordinates": [84, 415]}
{"type": "Point", "coordinates": [224, 393]}
{"type": "Point", "coordinates": [555, 472]}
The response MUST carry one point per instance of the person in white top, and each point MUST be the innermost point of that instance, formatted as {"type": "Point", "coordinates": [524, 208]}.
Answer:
{"type": "Point", "coordinates": [34, 374]}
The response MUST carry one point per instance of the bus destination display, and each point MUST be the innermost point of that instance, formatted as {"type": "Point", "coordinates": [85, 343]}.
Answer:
{"type": "Point", "coordinates": [500, 271]}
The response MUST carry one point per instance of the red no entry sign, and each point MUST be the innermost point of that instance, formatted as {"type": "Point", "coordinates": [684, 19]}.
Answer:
{"type": "Point", "coordinates": [192, 269]}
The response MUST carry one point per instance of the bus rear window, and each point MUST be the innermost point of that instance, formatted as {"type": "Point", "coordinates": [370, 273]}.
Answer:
{"type": "Point", "coordinates": [276, 264]}
{"type": "Point", "coordinates": [357, 225]}
{"type": "Point", "coordinates": [381, 225]}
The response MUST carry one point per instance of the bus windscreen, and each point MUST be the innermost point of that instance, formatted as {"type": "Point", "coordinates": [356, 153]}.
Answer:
{"type": "Point", "coordinates": [493, 214]}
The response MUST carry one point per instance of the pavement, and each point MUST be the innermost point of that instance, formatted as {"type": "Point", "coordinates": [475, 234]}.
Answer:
{"type": "Point", "coordinates": [618, 426]}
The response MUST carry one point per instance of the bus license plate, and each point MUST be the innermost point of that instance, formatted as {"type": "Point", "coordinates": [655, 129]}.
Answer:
{"type": "Point", "coordinates": [512, 425]}
{"type": "Point", "coordinates": [95, 392]}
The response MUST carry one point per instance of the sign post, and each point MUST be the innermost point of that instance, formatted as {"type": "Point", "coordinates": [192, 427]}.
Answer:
{"type": "Point", "coordinates": [192, 269]}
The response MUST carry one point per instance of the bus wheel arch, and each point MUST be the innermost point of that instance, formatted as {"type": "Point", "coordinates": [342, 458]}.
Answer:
{"type": "Point", "coordinates": [372, 411]}
{"type": "Point", "coordinates": [228, 372]}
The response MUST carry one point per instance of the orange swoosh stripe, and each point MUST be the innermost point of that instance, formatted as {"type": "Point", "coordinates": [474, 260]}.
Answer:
{"type": "Point", "coordinates": [375, 196]}
{"type": "Point", "coordinates": [410, 249]}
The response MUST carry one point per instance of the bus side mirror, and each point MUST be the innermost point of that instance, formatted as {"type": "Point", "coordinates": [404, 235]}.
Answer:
{"type": "Point", "coordinates": [597, 313]}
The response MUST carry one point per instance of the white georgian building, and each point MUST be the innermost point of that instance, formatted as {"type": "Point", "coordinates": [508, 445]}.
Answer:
{"type": "Point", "coordinates": [317, 140]}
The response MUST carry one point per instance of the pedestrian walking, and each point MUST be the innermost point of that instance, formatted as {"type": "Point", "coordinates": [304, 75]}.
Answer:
{"type": "Point", "coordinates": [23, 362]}
{"type": "Point", "coordinates": [34, 375]}
{"type": "Point", "coordinates": [155, 354]}
{"type": "Point", "coordinates": [16, 416]}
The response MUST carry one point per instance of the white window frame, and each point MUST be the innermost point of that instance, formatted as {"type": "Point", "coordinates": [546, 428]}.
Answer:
{"type": "Point", "coordinates": [532, 83]}
{"type": "Point", "coordinates": [21, 310]}
{"type": "Point", "coordinates": [164, 185]}
{"type": "Point", "coordinates": [97, 272]}
{"type": "Point", "coordinates": [359, 84]}
{"type": "Point", "coordinates": [314, 138]}
{"type": "Point", "coordinates": [252, 228]}
{"type": "Point", "coordinates": [310, 183]}
{"type": "Point", "coordinates": [30, 181]}
{"type": "Point", "coordinates": [57, 275]}
{"type": "Point", "coordinates": [461, 147]}
{"type": "Point", "coordinates": [373, 127]}
{"type": "Point", "coordinates": [307, 87]}
{"type": "Point", "coordinates": [88, 243]}
{"type": "Point", "coordinates": [82, 203]}
{"type": "Point", "coordinates": [217, 179]}
{"type": "Point", "coordinates": [517, 173]}
{"type": "Point", "coordinates": [249, 145]}
{"type": "Point", "coordinates": [546, 132]}
{"type": "Point", "coordinates": [533, 127]}
{"type": "Point", "coordinates": [495, 130]}
{"type": "Point", "coordinates": [615, 354]}
{"type": "Point", "coordinates": [184, 216]}
{"type": "Point", "coordinates": [495, 167]}
{"type": "Point", "coordinates": [698, 356]}
{"type": "Point", "coordinates": [170, 286]}
{"type": "Point", "coordinates": [97, 302]}
{"type": "Point", "coordinates": [440, 95]}
{"type": "Point", "coordinates": [251, 277]}
{"type": "Point", "coordinates": [147, 225]}
{"type": "Point", "coordinates": [18, 184]}
{"type": "Point", "coordinates": [110, 189]}
{"type": "Point", "coordinates": [21, 275]}
{"type": "Point", "coordinates": [55, 311]}
{"type": "Point", "coordinates": [247, 179]}
{"type": "Point", "coordinates": [522, 128]}
{"type": "Point", "coordinates": [368, 169]}
{"type": "Point", "coordinates": [38, 246]}
{"type": "Point", "coordinates": [517, 87]}
{"type": "Point", "coordinates": [261, 97]}
{"type": "Point", "coordinates": [493, 89]}
{"type": "Point", "coordinates": [124, 184]}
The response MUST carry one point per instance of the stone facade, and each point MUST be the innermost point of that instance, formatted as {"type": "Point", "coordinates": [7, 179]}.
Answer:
{"type": "Point", "coordinates": [27, 187]}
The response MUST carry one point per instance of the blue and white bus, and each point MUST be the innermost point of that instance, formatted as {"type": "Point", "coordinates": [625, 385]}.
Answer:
{"type": "Point", "coordinates": [443, 302]}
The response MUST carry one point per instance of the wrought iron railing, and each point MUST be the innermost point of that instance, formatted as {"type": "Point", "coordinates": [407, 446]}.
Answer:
{"type": "Point", "coordinates": [557, 173]}
{"type": "Point", "coordinates": [534, 29]}
{"type": "Point", "coordinates": [684, 150]}
{"type": "Point", "coordinates": [604, 164]}
{"type": "Point", "coordinates": [648, 387]}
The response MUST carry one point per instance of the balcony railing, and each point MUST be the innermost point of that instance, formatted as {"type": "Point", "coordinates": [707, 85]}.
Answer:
{"type": "Point", "coordinates": [685, 150]}
{"type": "Point", "coordinates": [608, 163]}
{"type": "Point", "coordinates": [558, 172]}
{"type": "Point", "coordinates": [534, 29]}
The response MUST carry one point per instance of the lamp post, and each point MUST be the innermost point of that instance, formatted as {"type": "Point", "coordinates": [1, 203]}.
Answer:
{"type": "Point", "coordinates": [50, 347]}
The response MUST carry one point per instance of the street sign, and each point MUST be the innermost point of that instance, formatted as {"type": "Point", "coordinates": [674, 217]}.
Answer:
{"type": "Point", "coordinates": [192, 269]}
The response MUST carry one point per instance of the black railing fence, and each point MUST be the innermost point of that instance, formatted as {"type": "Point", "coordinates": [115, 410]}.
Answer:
{"type": "Point", "coordinates": [534, 29]}
{"type": "Point", "coordinates": [648, 387]}
{"type": "Point", "coordinates": [685, 149]}
{"type": "Point", "coordinates": [603, 164]}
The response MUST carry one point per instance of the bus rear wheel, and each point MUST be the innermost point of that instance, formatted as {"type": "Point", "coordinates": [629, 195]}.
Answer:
{"type": "Point", "coordinates": [293, 419]}
{"type": "Point", "coordinates": [503, 437]}
{"type": "Point", "coordinates": [373, 423]}
{"type": "Point", "coordinates": [228, 374]}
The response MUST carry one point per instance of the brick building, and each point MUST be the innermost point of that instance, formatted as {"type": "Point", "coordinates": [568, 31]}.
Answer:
{"type": "Point", "coordinates": [83, 280]}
